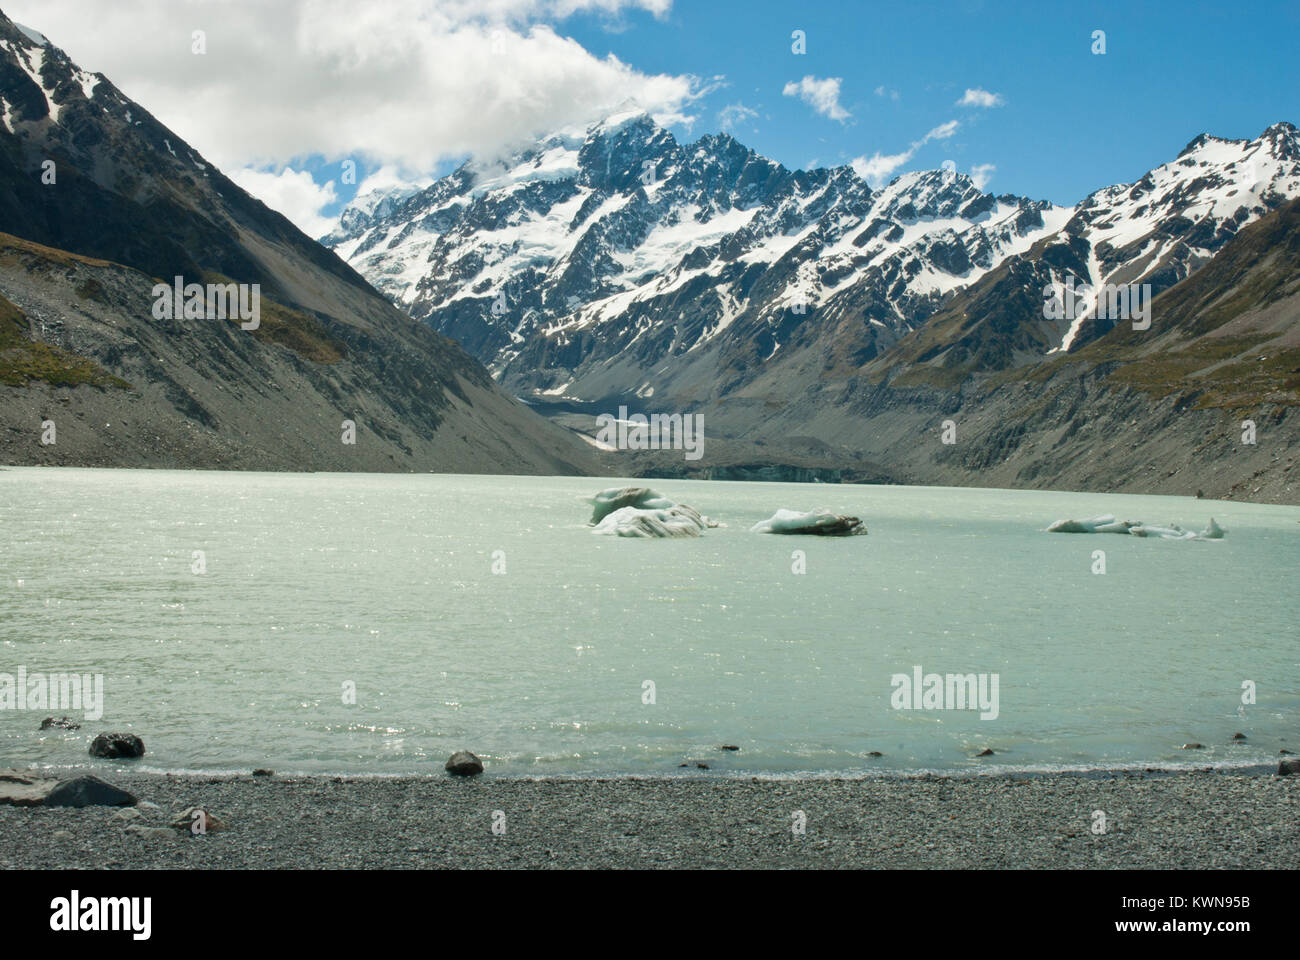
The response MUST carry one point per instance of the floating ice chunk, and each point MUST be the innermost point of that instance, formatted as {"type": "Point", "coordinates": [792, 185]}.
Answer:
{"type": "Point", "coordinates": [816, 522]}
{"type": "Point", "coordinates": [615, 498]}
{"type": "Point", "coordinates": [642, 512]}
{"type": "Point", "coordinates": [1171, 532]}
{"type": "Point", "coordinates": [678, 520]}
{"type": "Point", "coordinates": [1106, 523]}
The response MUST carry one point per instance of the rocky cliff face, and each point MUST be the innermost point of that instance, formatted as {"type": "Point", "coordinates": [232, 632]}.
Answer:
{"type": "Point", "coordinates": [98, 202]}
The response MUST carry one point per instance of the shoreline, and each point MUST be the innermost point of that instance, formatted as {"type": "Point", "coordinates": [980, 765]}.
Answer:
{"type": "Point", "coordinates": [1120, 820]}
{"type": "Point", "coordinates": [134, 769]}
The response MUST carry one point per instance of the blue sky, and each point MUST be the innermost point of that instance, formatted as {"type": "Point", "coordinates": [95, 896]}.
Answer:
{"type": "Point", "coordinates": [1071, 121]}
{"type": "Point", "coordinates": [288, 91]}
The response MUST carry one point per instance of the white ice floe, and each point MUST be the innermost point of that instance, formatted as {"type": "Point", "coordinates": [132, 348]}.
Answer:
{"type": "Point", "coordinates": [642, 512]}
{"type": "Point", "coordinates": [1106, 523]}
{"type": "Point", "coordinates": [817, 522]}
{"type": "Point", "coordinates": [614, 498]}
{"type": "Point", "coordinates": [678, 520]}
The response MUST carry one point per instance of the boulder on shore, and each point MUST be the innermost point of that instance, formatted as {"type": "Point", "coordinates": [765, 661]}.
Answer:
{"type": "Point", "coordinates": [19, 788]}
{"type": "Point", "coordinates": [1287, 767]}
{"type": "Point", "coordinates": [464, 764]}
{"type": "Point", "coordinates": [115, 745]}
{"type": "Point", "coordinates": [88, 791]}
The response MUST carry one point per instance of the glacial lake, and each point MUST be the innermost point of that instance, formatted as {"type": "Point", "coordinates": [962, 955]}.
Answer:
{"type": "Point", "coordinates": [314, 582]}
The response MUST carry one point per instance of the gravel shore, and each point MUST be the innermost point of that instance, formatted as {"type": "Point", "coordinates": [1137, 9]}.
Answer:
{"type": "Point", "coordinates": [1183, 820]}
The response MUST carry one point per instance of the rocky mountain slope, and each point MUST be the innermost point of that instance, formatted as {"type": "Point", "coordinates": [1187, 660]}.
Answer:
{"type": "Point", "coordinates": [615, 261]}
{"type": "Point", "coordinates": [818, 324]}
{"type": "Point", "coordinates": [98, 203]}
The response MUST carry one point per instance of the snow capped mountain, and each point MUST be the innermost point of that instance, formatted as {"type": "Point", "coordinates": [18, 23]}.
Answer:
{"type": "Point", "coordinates": [1160, 229]}
{"type": "Point", "coordinates": [604, 262]}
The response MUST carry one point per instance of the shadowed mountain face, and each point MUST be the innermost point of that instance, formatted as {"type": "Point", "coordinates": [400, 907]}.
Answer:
{"type": "Point", "coordinates": [99, 201]}
{"type": "Point", "coordinates": [816, 321]}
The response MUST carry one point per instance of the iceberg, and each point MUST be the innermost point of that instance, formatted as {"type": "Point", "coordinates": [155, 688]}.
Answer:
{"type": "Point", "coordinates": [677, 521]}
{"type": "Point", "coordinates": [642, 512]}
{"type": "Point", "coordinates": [820, 523]}
{"type": "Point", "coordinates": [616, 498]}
{"type": "Point", "coordinates": [1106, 523]}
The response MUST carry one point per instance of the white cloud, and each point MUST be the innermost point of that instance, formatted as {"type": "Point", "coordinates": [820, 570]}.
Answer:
{"type": "Point", "coordinates": [981, 174]}
{"type": "Point", "coordinates": [822, 95]}
{"type": "Point", "coordinates": [981, 98]}
{"type": "Point", "coordinates": [883, 91]}
{"type": "Point", "coordinates": [734, 114]}
{"type": "Point", "coordinates": [941, 132]}
{"type": "Point", "coordinates": [390, 177]}
{"type": "Point", "coordinates": [396, 81]}
{"type": "Point", "coordinates": [293, 193]}
{"type": "Point", "coordinates": [878, 168]}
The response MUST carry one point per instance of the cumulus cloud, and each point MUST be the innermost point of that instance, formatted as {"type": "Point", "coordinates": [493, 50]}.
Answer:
{"type": "Point", "coordinates": [981, 174]}
{"type": "Point", "coordinates": [293, 193]}
{"type": "Point", "coordinates": [402, 82]}
{"type": "Point", "coordinates": [878, 168]}
{"type": "Point", "coordinates": [981, 98]}
{"type": "Point", "coordinates": [822, 95]}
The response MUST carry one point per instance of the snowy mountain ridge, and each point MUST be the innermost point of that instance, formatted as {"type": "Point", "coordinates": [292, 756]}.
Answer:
{"type": "Point", "coordinates": [619, 248]}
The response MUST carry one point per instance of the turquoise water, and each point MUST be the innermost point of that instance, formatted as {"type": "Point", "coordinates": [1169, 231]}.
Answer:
{"type": "Point", "coordinates": [316, 580]}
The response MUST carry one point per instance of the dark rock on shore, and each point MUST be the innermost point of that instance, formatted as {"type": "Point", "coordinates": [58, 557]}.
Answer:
{"type": "Point", "coordinates": [20, 789]}
{"type": "Point", "coordinates": [88, 791]}
{"type": "Point", "coordinates": [115, 745]}
{"type": "Point", "coordinates": [986, 752]}
{"type": "Point", "coordinates": [728, 746]}
{"type": "Point", "coordinates": [1287, 767]}
{"type": "Point", "coordinates": [63, 723]}
{"type": "Point", "coordinates": [263, 772]}
{"type": "Point", "coordinates": [462, 763]}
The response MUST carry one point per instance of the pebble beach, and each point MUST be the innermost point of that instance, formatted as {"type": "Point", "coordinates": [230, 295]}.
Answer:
{"type": "Point", "coordinates": [1108, 821]}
